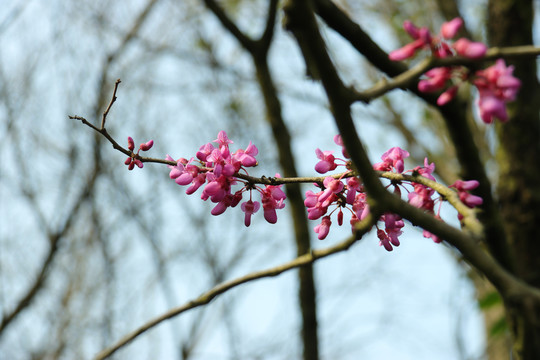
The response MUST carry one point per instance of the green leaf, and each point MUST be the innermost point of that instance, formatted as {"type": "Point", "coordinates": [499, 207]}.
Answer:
{"type": "Point", "coordinates": [499, 327]}
{"type": "Point", "coordinates": [489, 300]}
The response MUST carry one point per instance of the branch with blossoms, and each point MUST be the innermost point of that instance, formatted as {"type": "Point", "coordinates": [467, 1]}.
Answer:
{"type": "Point", "coordinates": [450, 66]}
{"type": "Point", "coordinates": [220, 170]}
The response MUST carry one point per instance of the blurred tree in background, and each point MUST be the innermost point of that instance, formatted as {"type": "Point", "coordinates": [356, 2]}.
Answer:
{"type": "Point", "coordinates": [89, 251]}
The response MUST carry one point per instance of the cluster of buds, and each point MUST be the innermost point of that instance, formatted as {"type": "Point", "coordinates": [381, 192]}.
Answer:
{"type": "Point", "coordinates": [496, 85]}
{"type": "Point", "coordinates": [217, 168]}
{"type": "Point", "coordinates": [346, 192]}
{"type": "Point", "coordinates": [133, 160]}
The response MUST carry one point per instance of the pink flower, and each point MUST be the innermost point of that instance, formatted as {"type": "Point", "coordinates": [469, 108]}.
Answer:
{"type": "Point", "coordinates": [339, 141]}
{"type": "Point", "coordinates": [247, 157]}
{"type": "Point", "coordinates": [470, 49]}
{"type": "Point", "coordinates": [406, 51]}
{"type": "Point", "coordinates": [204, 151]}
{"type": "Point", "coordinates": [450, 28]}
{"type": "Point", "coordinates": [427, 170]}
{"type": "Point", "coordinates": [131, 143]}
{"type": "Point", "coordinates": [447, 95]}
{"type": "Point", "coordinates": [314, 207]}
{"type": "Point", "coordinates": [421, 197]}
{"type": "Point", "coordinates": [389, 236]}
{"type": "Point", "coordinates": [250, 208]}
{"type": "Point", "coordinates": [272, 199]}
{"type": "Point", "coordinates": [437, 78]}
{"type": "Point", "coordinates": [353, 186]}
{"type": "Point", "coordinates": [229, 200]}
{"type": "Point", "coordinates": [217, 187]}
{"type": "Point", "coordinates": [496, 86]}
{"type": "Point", "coordinates": [222, 139]}
{"type": "Point", "coordinates": [323, 228]}
{"type": "Point", "coordinates": [463, 187]}
{"type": "Point", "coordinates": [327, 162]}
{"type": "Point", "coordinates": [133, 159]}
{"type": "Point", "coordinates": [393, 158]}
{"type": "Point", "coordinates": [491, 108]}
{"type": "Point", "coordinates": [333, 186]}
{"type": "Point", "coordinates": [147, 146]}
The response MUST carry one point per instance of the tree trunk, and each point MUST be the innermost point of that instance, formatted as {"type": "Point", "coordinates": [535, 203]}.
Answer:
{"type": "Point", "coordinates": [510, 24]}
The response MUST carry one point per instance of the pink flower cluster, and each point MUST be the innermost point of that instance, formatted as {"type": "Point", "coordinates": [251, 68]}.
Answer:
{"type": "Point", "coordinates": [217, 168]}
{"type": "Point", "coordinates": [495, 85]}
{"type": "Point", "coordinates": [423, 39]}
{"type": "Point", "coordinates": [132, 160]}
{"type": "Point", "coordinates": [345, 192]}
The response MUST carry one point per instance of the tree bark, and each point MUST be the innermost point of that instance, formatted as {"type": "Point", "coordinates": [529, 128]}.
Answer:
{"type": "Point", "coordinates": [509, 24]}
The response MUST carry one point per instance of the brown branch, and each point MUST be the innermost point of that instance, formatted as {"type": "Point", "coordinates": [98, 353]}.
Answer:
{"type": "Point", "coordinates": [301, 22]}
{"type": "Point", "coordinates": [54, 241]}
{"type": "Point", "coordinates": [469, 215]}
{"type": "Point", "coordinates": [408, 78]}
{"type": "Point", "coordinates": [113, 99]}
{"type": "Point", "coordinates": [453, 114]}
{"type": "Point", "coordinates": [362, 227]}
{"type": "Point", "coordinates": [246, 42]}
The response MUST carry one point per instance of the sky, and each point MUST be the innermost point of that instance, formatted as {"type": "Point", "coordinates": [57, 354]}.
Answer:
{"type": "Point", "coordinates": [413, 303]}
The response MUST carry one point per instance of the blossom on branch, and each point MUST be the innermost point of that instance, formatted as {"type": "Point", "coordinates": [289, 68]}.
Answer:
{"type": "Point", "coordinates": [216, 168]}
{"type": "Point", "coordinates": [496, 85]}
{"type": "Point", "coordinates": [133, 159]}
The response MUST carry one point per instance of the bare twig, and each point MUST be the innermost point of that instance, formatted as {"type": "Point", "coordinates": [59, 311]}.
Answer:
{"type": "Point", "coordinates": [113, 99]}
{"type": "Point", "coordinates": [362, 227]}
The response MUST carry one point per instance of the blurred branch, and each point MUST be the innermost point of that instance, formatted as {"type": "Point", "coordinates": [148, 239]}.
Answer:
{"type": "Point", "coordinates": [455, 117]}
{"type": "Point", "coordinates": [408, 78]}
{"type": "Point", "coordinates": [258, 49]}
{"type": "Point", "coordinates": [54, 240]}
{"type": "Point", "coordinates": [363, 227]}
{"type": "Point", "coordinates": [301, 21]}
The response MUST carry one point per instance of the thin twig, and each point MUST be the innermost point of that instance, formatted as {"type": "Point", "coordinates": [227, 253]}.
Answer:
{"type": "Point", "coordinates": [361, 228]}
{"type": "Point", "coordinates": [113, 99]}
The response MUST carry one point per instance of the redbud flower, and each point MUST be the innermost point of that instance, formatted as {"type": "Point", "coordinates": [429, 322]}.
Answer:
{"type": "Point", "coordinates": [247, 157]}
{"type": "Point", "coordinates": [272, 199]}
{"type": "Point", "coordinates": [223, 139]}
{"type": "Point", "coordinates": [339, 141]}
{"type": "Point", "coordinates": [496, 86]}
{"type": "Point", "coordinates": [147, 146]}
{"type": "Point", "coordinates": [131, 143]}
{"type": "Point", "coordinates": [470, 49]}
{"type": "Point", "coordinates": [323, 228]}
{"type": "Point", "coordinates": [333, 186]}
{"type": "Point", "coordinates": [450, 28]}
{"type": "Point", "coordinates": [393, 158]}
{"type": "Point", "coordinates": [447, 95]}
{"type": "Point", "coordinates": [468, 199]}
{"type": "Point", "coordinates": [406, 51]}
{"type": "Point", "coordinates": [327, 162]}
{"type": "Point", "coordinates": [250, 208]}
{"type": "Point", "coordinates": [132, 160]}
{"type": "Point", "coordinates": [437, 78]}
